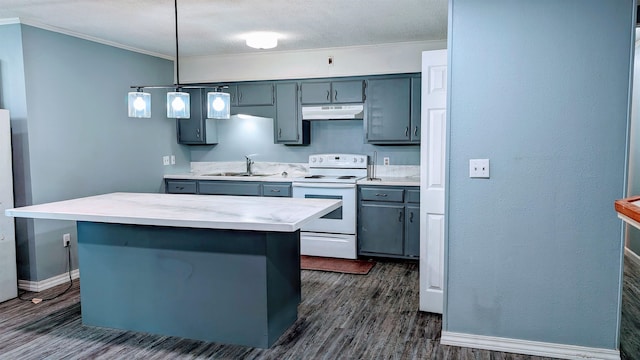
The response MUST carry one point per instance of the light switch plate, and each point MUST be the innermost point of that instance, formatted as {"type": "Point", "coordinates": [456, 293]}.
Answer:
{"type": "Point", "coordinates": [479, 168]}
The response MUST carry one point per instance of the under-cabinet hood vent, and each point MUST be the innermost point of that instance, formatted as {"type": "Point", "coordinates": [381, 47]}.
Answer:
{"type": "Point", "coordinates": [333, 112]}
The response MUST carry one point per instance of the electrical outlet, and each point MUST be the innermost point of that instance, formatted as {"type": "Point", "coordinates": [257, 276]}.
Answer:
{"type": "Point", "coordinates": [66, 240]}
{"type": "Point", "coordinates": [173, 159]}
{"type": "Point", "coordinates": [386, 160]}
{"type": "Point", "coordinates": [165, 160]}
{"type": "Point", "coordinates": [479, 168]}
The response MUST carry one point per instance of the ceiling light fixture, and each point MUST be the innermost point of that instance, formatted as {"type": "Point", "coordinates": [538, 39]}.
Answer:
{"type": "Point", "coordinates": [139, 104]}
{"type": "Point", "coordinates": [262, 40]}
{"type": "Point", "coordinates": [178, 101]}
{"type": "Point", "coordinates": [218, 104]}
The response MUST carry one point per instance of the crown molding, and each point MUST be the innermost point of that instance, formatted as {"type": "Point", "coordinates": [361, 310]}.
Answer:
{"type": "Point", "coordinates": [37, 24]}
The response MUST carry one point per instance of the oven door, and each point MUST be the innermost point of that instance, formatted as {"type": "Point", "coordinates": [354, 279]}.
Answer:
{"type": "Point", "coordinates": [340, 221]}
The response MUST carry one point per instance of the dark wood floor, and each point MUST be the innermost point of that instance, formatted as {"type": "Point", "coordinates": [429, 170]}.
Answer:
{"type": "Point", "coordinates": [341, 317]}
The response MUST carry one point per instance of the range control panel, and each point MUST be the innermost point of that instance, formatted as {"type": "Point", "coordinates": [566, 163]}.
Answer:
{"type": "Point", "coordinates": [338, 161]}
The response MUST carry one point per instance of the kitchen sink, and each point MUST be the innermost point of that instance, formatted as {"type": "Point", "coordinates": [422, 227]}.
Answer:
{"type": "Point", "coordinates": [243, 174]}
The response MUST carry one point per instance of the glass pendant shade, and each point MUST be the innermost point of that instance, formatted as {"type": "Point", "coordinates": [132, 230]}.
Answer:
{"type": "Point", "coordinates": [139, 104]}
{"type": "Point", "coordinates": [178, 105]}
{"type": "Point", "coordinates": [218, 105]}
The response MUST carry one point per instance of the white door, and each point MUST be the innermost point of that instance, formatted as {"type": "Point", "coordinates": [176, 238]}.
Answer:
{"type": "Point", "coordinates": [432, 179]}
{"type": "Point", "coordinates": [8, 281]}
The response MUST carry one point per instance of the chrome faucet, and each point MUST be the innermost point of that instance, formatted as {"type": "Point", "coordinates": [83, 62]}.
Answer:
{"type": "Point", "coordinates": [249, 163]}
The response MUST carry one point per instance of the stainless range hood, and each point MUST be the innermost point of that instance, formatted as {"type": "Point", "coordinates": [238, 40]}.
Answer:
{"type": "Point", "coordinates": [333, 112]}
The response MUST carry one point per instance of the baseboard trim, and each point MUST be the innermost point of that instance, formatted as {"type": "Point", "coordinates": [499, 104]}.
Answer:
{"type": "Point", "coordinates": [536, 348]}
{"type": "Point", "coordinates": [37, 286]}
{"type": "Point", "coordinates": [632, 255]}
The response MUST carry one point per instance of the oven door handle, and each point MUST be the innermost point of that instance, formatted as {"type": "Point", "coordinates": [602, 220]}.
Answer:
{"type": "Point", "coordinates": [324, 185]}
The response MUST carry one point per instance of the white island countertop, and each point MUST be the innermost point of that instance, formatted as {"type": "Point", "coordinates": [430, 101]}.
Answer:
{"type": "Point", "coordinates": [178, 210]}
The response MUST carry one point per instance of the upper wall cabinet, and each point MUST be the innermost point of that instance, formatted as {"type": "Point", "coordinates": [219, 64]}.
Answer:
{"type": "Point", "coordinates": [255, 94]}
{"type": "Point", "coordinates": [332, 92]}
{"type": "Point", "coordinates": [197, 130]}
{"type": "Point", "coordinates": [288, 126]}
{"type": "Point", "coordinates": [393, 110]}
{"type": "Point", "coordinates": [257, 99]}
{"type": "Point", "coordinates": [251, 94]}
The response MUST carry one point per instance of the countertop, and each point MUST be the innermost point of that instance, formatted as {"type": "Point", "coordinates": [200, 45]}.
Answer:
{"type": "Point", "coordinates": [178, 210]}
{"type": "Point", "coordinates": [392, 181]}
{"type": "Point", "coordinates": [270, 178]}
{"type": "Point", "coordinates": [629, 210]}
{"type": "Point", "coordinates": [384, 181]}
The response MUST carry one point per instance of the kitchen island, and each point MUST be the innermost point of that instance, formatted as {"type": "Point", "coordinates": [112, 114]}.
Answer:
{"type": "Point", "coordinates": [213, 268]}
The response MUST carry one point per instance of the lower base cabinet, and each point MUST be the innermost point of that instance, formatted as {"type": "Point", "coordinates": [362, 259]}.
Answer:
{"type": "Point", "coordinates": [389, 221]}
{"type": "Point", "coordinates": [381, 229]}
{"type": "Point", "coordinates": [228, 187]}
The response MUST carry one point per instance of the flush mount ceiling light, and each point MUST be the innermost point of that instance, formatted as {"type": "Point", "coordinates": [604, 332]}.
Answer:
{"type": "Point", "coordinates": [262, 40]}
{"type": "Point", "coordinates": [178, 101]}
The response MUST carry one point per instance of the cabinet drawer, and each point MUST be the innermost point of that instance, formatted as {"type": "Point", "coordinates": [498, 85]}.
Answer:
{"type": "Point", "coordinates": [181, 187]}
{"type": "Point", "coordinates": [382, 194]}
{"type": "Point", "coordinates": [229, 188]}
{"type": "Point", "coordinates": [413, 196]}
{"type": "Point", "coordinates": [282, 190]}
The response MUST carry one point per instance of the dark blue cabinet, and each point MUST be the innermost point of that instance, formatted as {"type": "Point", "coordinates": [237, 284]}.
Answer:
{"type": "Point", "coordinates": [389, 221]}
{"type": "Point", "coordinates": [393, 110]}
{"type": "Point", "coordinates": [197, 130]}
{"type": "Point", "coordinates": [288, 126]}
{"type": "Point", "coordinates": [228, 187]}
{"type": "Point", "coordinates": [332, 92]}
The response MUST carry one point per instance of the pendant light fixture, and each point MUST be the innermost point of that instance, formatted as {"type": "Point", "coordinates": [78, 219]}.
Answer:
{"type": "Point", "coordinates": [178, 100]}
{"type": "Point", "coordinates": [139, 104]}
{"type": "Point", "coordinates": [218, 105]}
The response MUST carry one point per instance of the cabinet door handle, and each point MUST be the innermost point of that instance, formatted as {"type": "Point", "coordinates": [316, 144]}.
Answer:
{"type": "Point", "coordinates": [275, 190]}
{"type": "Point", "coordinates": [406, 131]}
{"type": "Point", "coordinates": [328, 94]}
{"type": "Point", "coordinates": [382, 195]}
{"type": "Point", "coordinates": [415, 131]}
{"type": "Point", "coordinates": [239, 96]}
{"type": "Point", "coordinates": [400, 216]}
{"type": "Point", "coordinates": [180, 187]}
{"type": "Point", "coordinates": [335, 94]}
{"type": "Point", "coordinates": [279, 133]}
{"type": "Point", "coordinates": [411, 217]}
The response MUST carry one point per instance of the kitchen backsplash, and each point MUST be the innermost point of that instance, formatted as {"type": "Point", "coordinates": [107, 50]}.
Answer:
{"type": "Point", "coordinates": [253, 135]}
{"type": "Point", "coordinates": [293, 169]}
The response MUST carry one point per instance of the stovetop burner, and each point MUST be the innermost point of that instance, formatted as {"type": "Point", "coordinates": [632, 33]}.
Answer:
{"type": "Point", "coordinates": [335, 168]}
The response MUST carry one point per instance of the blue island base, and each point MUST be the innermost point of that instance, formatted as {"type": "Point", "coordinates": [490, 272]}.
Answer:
{"type": "Point", "coordinates": [227, 286]}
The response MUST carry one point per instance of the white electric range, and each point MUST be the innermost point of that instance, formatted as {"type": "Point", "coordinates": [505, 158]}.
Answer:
{"type": "Point", "coordinates": [332, 176]}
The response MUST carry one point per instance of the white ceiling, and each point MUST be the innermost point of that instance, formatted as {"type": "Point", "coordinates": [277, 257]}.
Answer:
{"type": "Point", "coordinates": [216, 27]}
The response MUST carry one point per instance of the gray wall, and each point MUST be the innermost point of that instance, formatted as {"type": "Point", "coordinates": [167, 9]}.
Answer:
{"type": "Point", "coordinates": [87, 149]}
{"type": "Point", "coordinates": [633, 234]}
{"type": "Point", "coordinates": [254, 135]}
{"type": "Point", "coordinates": [542, 89]}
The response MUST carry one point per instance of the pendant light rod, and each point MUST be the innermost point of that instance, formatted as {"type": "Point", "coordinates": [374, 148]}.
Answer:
{"type": "Point", "coordinates": [175, 8]}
